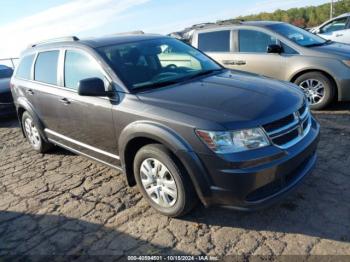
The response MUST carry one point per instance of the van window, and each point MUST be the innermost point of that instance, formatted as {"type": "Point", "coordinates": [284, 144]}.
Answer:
{"type": "Point", "coordinates": [24, 67]}
{"type": "Point", "coordinates": [78, 66]}
{"type": "Point", "coordinates": [251, 41]}
{"type": "Point", "coordinates": [46, 67]}
{"type": "Point", "coordinates": [218, 41]}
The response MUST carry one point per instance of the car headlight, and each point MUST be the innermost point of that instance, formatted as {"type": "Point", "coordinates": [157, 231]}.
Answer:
{"type": "Point", "coordinates": [347, 62]}
{"type": "Point", "coordinates": [234, 141]}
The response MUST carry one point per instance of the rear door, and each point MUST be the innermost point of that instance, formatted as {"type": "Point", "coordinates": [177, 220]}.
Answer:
{"type": "Point", "coordinates": [218, 45]}
{"type": "Point", "coordinates": [336, 30]}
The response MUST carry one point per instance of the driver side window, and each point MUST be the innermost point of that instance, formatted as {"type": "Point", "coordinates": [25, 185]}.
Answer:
{"type": "Point", "coordinates": [335, 25]}
{"type": "Point", "coordinates": [78, 66]}
{"type": "Point", "coordinates": [251, 41]}
{"type": "Point", "coordinates": [169, 58]}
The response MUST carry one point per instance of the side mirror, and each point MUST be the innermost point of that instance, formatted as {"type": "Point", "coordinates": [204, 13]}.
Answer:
{"type": "Point", "coordinates": [274, 49]}
{"type": "Point", "coordinates": [92, 87]}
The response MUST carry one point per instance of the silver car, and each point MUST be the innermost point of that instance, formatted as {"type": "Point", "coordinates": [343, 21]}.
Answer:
{"type": "Point", "coordinates": [336, 29]}
{"type": "Point", "coordinates": [282, 51]}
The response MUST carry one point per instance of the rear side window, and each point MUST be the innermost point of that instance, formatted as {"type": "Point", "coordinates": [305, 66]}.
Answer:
{"type": "Point", "coordinates": [251, 41]}
{"type": "Point", "coordinates": [46, 67]}
{"type": "Point", "coordinates": [24, 67]}
{"type": "Point", "coordinates": [78, 66]}
{"type": "Point", "coordinates": [218, 41]}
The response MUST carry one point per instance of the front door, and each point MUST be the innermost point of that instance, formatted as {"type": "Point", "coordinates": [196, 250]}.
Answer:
{"type": "Point", "coordinates": [83, 123]}
{"type": "Point", "coordinates": [251, 54]}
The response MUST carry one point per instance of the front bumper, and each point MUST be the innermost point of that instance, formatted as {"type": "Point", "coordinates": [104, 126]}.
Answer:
{"type": "Point", "coordinates": [254, 180]}
{"type": "Point", "coordinates": [7, 109]}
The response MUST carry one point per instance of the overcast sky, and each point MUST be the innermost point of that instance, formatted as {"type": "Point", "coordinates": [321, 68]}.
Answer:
{"type": "Point", "coordinates": [23, 22]}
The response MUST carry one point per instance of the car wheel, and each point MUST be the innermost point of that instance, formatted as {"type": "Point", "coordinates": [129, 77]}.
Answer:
{"type": "Point", "coordinates": [163, 181]}
{"type": "Point", "coordinates": [33, 135]}
{"type": "Point", "coordinates": [318, 89]}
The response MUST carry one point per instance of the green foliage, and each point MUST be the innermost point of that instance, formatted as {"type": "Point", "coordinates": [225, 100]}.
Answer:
{"type": "Point", "coordinates": [304, 17]}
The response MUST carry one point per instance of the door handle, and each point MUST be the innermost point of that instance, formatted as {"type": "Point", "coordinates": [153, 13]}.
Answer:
{"type": "Point", "coordinates": [30, 92]}
{"type": "Point", "coordinates": [228, 62]}
{"type": "Point", "coordinates": [337, 35]}
{"type": "Point", "coordinates": [65, 101]}
{"type": "Point", "coordinates": [240, 62]}
{"type": "Point", "coordinates": [234, 62]}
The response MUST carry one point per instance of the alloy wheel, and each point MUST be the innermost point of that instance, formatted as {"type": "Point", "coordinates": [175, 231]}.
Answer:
{"type": "Point", "coordinates": [314, 90]}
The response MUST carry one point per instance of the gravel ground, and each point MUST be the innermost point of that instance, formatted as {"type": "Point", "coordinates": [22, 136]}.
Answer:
{"type": "Point", "coordinates": [61, 203]}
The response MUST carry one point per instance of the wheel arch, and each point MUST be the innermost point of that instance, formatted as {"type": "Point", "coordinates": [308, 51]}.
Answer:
{"type": "Point", "coordinates": [24, 106]}
{"type": "Point", "coordinates": [328, 75]}
{"type": "Point", "coordinates": [141, 133]}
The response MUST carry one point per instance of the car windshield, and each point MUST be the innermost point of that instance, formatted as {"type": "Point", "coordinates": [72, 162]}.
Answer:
{"type": "Point", "coordinates": [5, 72]}
{"type": "Point", "coordinates": [297, 35]}
{"type": "Point", "coordinates": [157, 62]}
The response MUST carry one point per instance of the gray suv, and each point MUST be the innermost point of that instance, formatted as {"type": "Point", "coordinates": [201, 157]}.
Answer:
{"type": "Point", "coordinates": [180, 129]}
{"type": "Point", "coordinates": [281, 51]}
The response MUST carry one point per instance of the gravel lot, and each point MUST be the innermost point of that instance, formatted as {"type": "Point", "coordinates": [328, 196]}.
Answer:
{"type": "Point", "coordinates": [60, 203]}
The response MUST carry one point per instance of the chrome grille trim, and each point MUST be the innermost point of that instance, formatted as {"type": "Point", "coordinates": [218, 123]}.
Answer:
{"type": "Point", "coordinates": [297, 124]}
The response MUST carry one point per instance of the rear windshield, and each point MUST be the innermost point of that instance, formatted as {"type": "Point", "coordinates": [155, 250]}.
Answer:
{"type": "Point", "coordinates": [5, 71]}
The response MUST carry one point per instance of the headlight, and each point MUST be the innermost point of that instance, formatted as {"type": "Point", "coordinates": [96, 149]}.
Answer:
{"type": "Point", "coordinates": [233, 141]}
{"type": "Point", "coordinates": [347, 62]}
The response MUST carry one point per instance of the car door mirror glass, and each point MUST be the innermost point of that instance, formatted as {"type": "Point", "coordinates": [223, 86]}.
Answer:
{"type": "Point", "coordinates": [92, 87]}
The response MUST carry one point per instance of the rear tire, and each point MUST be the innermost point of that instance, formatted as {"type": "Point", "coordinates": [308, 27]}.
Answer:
{"type": "Point", "coordinates": [32, 133]}
{"type": "Point", "coordinates": [318, 88]}
{"type": "Point", "coordinates": [163, 181]}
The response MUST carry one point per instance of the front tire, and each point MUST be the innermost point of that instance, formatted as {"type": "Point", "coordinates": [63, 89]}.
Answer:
{"type": "Point", "coordinates": [163, 181]}
{"type": "Point", "coordinates": [32, 133]}
{"type": "Point", "coordinates": [318, 88]}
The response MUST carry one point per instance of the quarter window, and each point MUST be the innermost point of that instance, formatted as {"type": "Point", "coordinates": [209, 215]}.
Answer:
{"type": "Point", "coordinates": [251, 41]}
{"type": "Point", "coordinates": [218, 41]}
{"type": "Point", "coordinates": [77, 67]}
{"type": "Point", "coordinates": [46, 67]}
{"type": "Point", "coordinates": [339, 24]}
{"type": "Point", "coordinates": [24, 67]}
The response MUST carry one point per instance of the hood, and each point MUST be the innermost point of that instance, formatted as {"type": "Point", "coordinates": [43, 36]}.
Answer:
{"type": "Point", "coordinates": [334, 48]}
{"type": "Point", "coordinates": [233, 100]}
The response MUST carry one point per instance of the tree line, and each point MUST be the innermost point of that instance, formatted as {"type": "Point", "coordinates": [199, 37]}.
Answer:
{"type": "Point", "coordinates": [303, 17]}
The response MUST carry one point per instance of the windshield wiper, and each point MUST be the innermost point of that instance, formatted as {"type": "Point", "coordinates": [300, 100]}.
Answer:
{"type": "Point", "coordinates": [320, 44]}
{"type": "Point", "coordinates": [155, 85]}
{"type": "Point", "coordinates": [203, 72]}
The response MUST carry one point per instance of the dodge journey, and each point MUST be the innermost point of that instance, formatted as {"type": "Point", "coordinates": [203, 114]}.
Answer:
{"type": "Point", "coordinates": [176, 123]}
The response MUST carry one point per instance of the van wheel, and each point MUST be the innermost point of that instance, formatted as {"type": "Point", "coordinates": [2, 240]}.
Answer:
{"type": "Point", "coordinates": [163, 181]}
{"type": "Point", "coordinates": [318, 89]}
{"type": "Point", "coordinates": [33, 135]}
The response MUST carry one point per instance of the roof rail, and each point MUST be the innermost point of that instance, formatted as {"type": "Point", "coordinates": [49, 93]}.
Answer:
{"type": "Point", "coordinates": [58, 39]}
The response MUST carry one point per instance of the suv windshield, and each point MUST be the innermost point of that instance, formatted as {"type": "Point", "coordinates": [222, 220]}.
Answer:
{"type": "Point", "coordinates": [156, 62]}
{"type": "Point", "coordinates": [5, 72]}
{"type": "Point", "coordinates": [297, 35]}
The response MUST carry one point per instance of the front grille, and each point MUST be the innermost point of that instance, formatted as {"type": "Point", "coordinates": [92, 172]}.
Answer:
{"type": "Point", "coordinates": [289, 130]}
